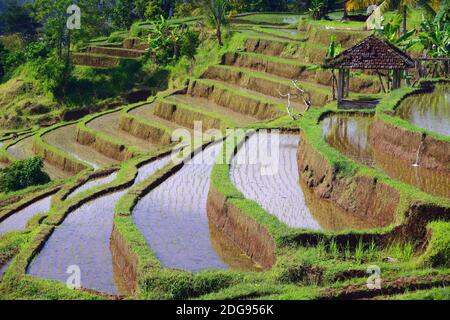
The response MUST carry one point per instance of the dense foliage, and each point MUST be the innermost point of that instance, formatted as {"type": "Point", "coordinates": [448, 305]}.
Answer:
{"type": "Point", "coordinates": [22, 174]}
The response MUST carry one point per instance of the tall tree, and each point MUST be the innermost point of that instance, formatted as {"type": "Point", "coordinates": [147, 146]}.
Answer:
{"type": "Point", "coordinates": [18, 18]}
{"type": "Point", "coordinates": [217, 16]}
{"type": "Point", "coordinates": [123, 13]}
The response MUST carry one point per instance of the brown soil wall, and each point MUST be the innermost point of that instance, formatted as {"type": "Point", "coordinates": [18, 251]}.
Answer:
{"type": "Point", "coordinates": [143, 130]}
{"type": "Point", "coordinates": [124, 260]}
{"type": "Point", "coordinates": [95, 61]}
{"type": "Point", "coordinates": [116, 52]}
{"type": "Point", "coordinates": [249, 236]}
{"type": "Point", "coordinates": [134, 43]}
{"type": "Point", "coordinates": [58, 160]}
{"type": "Point", "coordinates": [108, 148]}
{"type": "Point", "coordinates": [226, 98]}
{"type": "Point", "coordinates": [264, 86]}
{"type": "Point", "coordinates": [346, 38]}
{"type": "Point", "coordinates": [279, 49]}
{"type": "Point", "coordinates": [360, 196]}
{"type": "Point", "coordinates": [185, 117]}
{"type": "Point", "coordinates": [403, 144]}
{"type": "Point", "coordinates": [289, 71]}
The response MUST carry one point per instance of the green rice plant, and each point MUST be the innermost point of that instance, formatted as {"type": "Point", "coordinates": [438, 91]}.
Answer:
{"type": "Point", "coordinates": [401, 251]}
{"type": "Point", "coordinates": [321, 249]}
{"type": "Point", "coordinates": [348, 252]}
{"type": "Point", "coordinates": [359, 252]}
{"type": "Point", "coordinates": [372, 253]}
{"type": "Point", "coordinates": [333, 249]}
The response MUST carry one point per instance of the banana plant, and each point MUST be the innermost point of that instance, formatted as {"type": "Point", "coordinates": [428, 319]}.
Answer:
{"type": "Point", "coordinates": [391, 31]}
{"type": "Point", "coordinates": [435, 34]}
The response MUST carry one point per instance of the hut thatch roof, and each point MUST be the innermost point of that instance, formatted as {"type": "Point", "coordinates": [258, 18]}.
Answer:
{"type": "Point", "coordinates": [372, 53]}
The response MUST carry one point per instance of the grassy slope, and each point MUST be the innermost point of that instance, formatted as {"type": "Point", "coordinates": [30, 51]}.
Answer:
{"type": "Point", "coordinates": [299, 271]}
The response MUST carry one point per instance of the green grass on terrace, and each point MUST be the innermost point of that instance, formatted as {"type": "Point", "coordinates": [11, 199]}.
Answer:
{"type": "Point", "coordinates": [270, 18]}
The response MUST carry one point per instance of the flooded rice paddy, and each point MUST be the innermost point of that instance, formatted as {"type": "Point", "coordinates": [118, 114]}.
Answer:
{"type": "Point", "coordinates": [93, 183]}
{"type": "Point", "coordinates": [429, 111]}
{"type": "Point", "coordinates": [174, 221]}
{"type": "Point", "coordinates": [266, 171]}
{"type": "Point", "coordinates": [18, 221]}
{"type": "Point", "coordinates": [83, 240]}
{"type": "Point", "coordinates": [350, 136]}
{"type": "Point", "coordinates": [65, 138]}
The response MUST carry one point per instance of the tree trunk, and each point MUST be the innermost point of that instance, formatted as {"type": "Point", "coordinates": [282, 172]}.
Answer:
{"type": "Point", "coordinates": [345, 17]}
{"type": "Point", "coordinates": [219, 35]}
{"type": "Point", "coordinates": [404, 20]}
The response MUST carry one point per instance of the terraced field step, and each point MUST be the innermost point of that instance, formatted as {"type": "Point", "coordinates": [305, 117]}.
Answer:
{"type": "Point", "coordinates": [24, 150]}
{"type": "Point", "coordinates": [186, 115]}
{"type": "Point", "coordinates": [301, 51]}
{"type": "Point", "coordinates": [116, 52]}
{"type": "Point", "coordinates": [109, 125]}
{"type": "Point", "coordinates": [147, 113]}
{"type": "Point", "coordinates": [174, 221]}
{"type": "Point", "coordinates": [265, 170]}
{"type": "Point", "coordinates": [210, 106]}
{"type": "Point", "coordinates": [84, 239]}
{"type": "Point", "coordinates": [65, 139]}
{"type": "Point", "coordinates": [95, 60]}
{"type": "Point", "coordinates": [294, 69]}
{"type": "Point", "coordinates": [271, 33]}
{"type": "Point", "coordinates": [269, 86]}
{"type": "Point", "coordinates": [18, 220]}
{"type": "Point", "coordinates": [265, 106]}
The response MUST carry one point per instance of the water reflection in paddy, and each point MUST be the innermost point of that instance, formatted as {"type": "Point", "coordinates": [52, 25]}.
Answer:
{"type": "Point", "coordinates": [93, 183]}
{"type": "Point", "coordinates": [83, 240]}
{"type": "Point", "coordinates": [350, 136]}
{"type": "Point", "coordinates": [18, 221]}
{"type": "Point", "coordinates": [174, 221]}
{"type": "Point", "coordinates": [277, 191]}
{"type": "Point", "coordinates": [428, 111]}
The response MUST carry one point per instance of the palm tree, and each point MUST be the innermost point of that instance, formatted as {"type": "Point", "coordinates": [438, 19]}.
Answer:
{"type": "Point", "coordinates": [217, 16]}
{"type": "Point", "coordinates": [430, 6]}
{"type": "Point", "coordinates": [404, 6]}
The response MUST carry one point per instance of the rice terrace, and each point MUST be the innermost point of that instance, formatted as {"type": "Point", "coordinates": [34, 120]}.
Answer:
{"type": "Point", "coordinates": [224, 150]}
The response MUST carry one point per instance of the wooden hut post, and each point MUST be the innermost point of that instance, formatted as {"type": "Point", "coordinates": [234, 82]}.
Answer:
{"type": "Point", "coordinates": [347, 83]}
{"type": "Point", "coordinates": [340, 86]}
{"type": "Point", "coordinates": [396, 82]}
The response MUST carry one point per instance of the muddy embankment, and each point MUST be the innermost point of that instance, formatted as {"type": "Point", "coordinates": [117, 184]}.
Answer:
{"type": "Point", "coordinates": [410, 146]}
{"type": "Point", "coordinates": [94, 61]}
{"type": "Point", "coordinates": [251, 237]}
{"type": "Point", "coordinates": [185, 117]}
{"type": "Point", "coordinates": [116, 52]}
{"type": "Point", "coordinates": [305, 54]}
{"type": "Point", "coordinates": [110, 149]}
{"type": "Point", "coordinates": [57, 159]}
{"type": "Point", "coordinates": [142, 130]}
{"type": "Point", "coordinates": [134, 43]}
{"type": "Point", "coordinates": [124, 260]}
{"type": "Point", "coordinates": [228, 99]}
{"type": "Point", "coordinates": [264, 86]}
{"type": "Point", "coordinates": [293, 71]}
{"type": "Point", "coordinates": [365, 197]}
{"type": "Point", "coordinates": [346, 38]}
{"type": "Point", "coordinates": [360, 196]}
